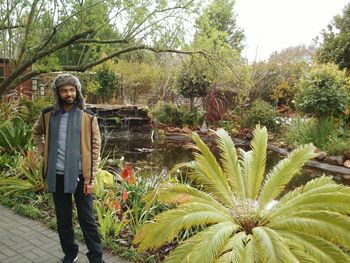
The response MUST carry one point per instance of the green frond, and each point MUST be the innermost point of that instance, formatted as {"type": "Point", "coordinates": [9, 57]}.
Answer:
{"type": "Point", "coordinates": [303, 257]}
{"type": "Point", "coordinates": [334, 197]}
{"type": "Point", "coordinates": [245, 161]}
{"type": "Point", "coordinates": [318, 248]}
{"type": "Point", "coordinates": [182, 253]}
{"type": "Point", "coordinates": [319, 185]}
{"type": "Point", "coordinates": [233, 249]}
{"type": "Point", "coordinates": [202, 172]}
{"type": "Point", "coordinates": [201, 178]}
{"type": "Point", "coordinates": [256, 170]}
{"type": "Point", "coordinates": [170, 223]}
{"type": "Point", "coordinates": [284, 171]}
{"type": "Point", "coordinates": [230, 163]}
{"type": "Point", "coordinates": [177, 193]}
{"type": "Point", "coordinates": [210, 244]}
{"type": "Point", "coordinates": [332, 226]}
{"type": "Point", "coordinates": [249, 252]}
{"type": "Point", "coordinates": [208, 165]}
{"type": "Point", "coordinates": [271, 246]}
{"type": "Point", "coordinates": [16, 186]}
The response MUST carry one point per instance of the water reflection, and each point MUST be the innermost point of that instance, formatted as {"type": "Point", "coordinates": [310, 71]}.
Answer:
{"type": "Point", "coordinates": [161, 155]}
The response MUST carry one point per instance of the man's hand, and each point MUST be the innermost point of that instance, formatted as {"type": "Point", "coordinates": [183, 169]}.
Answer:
{"type": "Point", "coordinates": [88, 189]}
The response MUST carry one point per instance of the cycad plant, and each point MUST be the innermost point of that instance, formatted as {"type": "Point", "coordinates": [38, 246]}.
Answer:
{"type": "Point", "coordinates": [27, 178]}
{"type": "Point", "coordinates": [243, 215]}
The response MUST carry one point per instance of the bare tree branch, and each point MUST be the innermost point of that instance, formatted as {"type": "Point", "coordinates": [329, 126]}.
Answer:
{"type": "Point", "coordinates": [6, 84]}
{"type": "Point", "coordinates": [83, 68]}
{"type": "Point", "coordinates": [4, 27]}
{"type": "Point", "coordinates": [107, 41]}
{"type": "Point", "coordinates": [28, 28]}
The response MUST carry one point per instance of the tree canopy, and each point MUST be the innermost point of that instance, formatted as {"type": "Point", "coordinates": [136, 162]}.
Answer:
{"type": "Point", "coordinates": [43, 36]}
{"type": "Point", "coordinates": [335, 41]}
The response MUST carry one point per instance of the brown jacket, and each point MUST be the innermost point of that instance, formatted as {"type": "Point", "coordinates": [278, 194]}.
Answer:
{"type": "Point", "coordinates": [90, 143]}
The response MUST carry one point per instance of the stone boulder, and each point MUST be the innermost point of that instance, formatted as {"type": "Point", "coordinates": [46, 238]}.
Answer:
{"type": "Point", "coordinates": [335, 160]}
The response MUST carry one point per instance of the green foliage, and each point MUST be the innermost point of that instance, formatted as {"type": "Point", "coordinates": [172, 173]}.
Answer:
{"type": "Point", "coordinates": [108, 81]}
{"type": "Point", "coordinates": [324, 133]}
{"type": "Point", "coordinates": [30, 110]}
{"type": "Point", "coordinates": [193, 82]}
{"type": "Point", "coordinates": [324, 91]}
{"type": "Point", "coordinates": [15, 135]}
{"type": "Point", "coordinates": [170, 114]}
{"type": "Point", "coordinates": [261, 112]}
{"type": "Point", "coordinates": [104, 180]}
{"type": "Point", "coordinates": [167, 113]}
{"type": "Point", "coordinates": [28, 177]}
{"type": "Point", "coordinates": [276, 80]}
{"type": "Point", "coordinates": [218, 23]}
{"type": "Point", "coordinates": [7, 161]}
{"type": "Point", "coordinates": [335, 42]}
{"type": "Point", "coordinates": [109, 223]}
{"type": "Point", "coordinates": [28, 211]}
{"type": "Point", "coordinates": [142, 77]}
{"type": "Point", "coordinates": [9, 110]}
{"type": "Point", "coordinates": [296, 133]}
{"type": "Point", "coordinates": [246, 215]}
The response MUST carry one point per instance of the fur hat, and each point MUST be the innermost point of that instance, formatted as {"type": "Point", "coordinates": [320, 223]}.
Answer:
{"type": "Point", "coordinates": [64, 80]}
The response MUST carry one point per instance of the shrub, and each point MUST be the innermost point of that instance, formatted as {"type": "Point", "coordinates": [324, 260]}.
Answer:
{"type": "Point", "coordinates": [28, 211]}
{"type": "Point", "coordinates": [324, 91]}
{"type": "Point", "coordinates": [167, 113]}
{"type": "Point", "coordinates": [30, 110]}
{"type": "Point", "coordinates": [170, 114]}
{"type": "Point", "coordinates": [193, 118]}
{"type": "Point", "coordinates": [297, 132]}
{"type": "Point", "coordinates": [262, 113]}
{"type": "Point", "coordinates": [15, 135]}
{"type": "Point", "coordinates": [323, 133]}
{"type": "Point", "coordinates": [28, 178]}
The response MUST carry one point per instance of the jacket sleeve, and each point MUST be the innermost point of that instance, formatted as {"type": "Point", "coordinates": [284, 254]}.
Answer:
{"type": "Point", "coordinates": [96, 148]}
{"type": "Point", "coordinates": [38, 134]}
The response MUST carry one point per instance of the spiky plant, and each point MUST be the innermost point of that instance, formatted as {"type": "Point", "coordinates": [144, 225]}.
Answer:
{"type": "Point", "coordinates": [244, 214]}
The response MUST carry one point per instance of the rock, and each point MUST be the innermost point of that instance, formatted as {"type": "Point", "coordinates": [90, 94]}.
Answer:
{"type": "Point", "coordinates": [321, 155]}
{"type": "Point", "coordinates": [335, 160]}
{"type": "Point", "coordinates": [282, 144]}
{"type": "Point", "coordinates": [347, 177]}
{"type": "Point", "coordinates": [347, 163]}
{"type": "Point", "coordinates": [249, 136]}
{"type": "Point", "coordinates": [347, 155]}
{"type": "Point", "coordinates": [204, 127]}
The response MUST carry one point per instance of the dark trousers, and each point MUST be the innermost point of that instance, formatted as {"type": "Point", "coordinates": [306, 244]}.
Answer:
{"type": "Point", "coordinates": [63, 207]}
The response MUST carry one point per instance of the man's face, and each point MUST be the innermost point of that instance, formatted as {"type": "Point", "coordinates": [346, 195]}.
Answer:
{"type": "Point", "coordinates": [67, 94]}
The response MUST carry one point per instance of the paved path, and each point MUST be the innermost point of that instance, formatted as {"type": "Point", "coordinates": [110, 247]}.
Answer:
{"type": "Point", "coordinates": [23, 240]}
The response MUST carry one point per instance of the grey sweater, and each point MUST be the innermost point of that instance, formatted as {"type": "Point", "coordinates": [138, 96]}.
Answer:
{"type": "Point", "coordinates": [61, 149]}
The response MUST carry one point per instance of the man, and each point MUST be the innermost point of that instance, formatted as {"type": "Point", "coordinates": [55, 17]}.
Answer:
{"type": "Point", "coordinates": [69, 138]}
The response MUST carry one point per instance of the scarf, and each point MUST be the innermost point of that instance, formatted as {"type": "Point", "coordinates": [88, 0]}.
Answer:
{"type": "Point", "coordinates": [72, 154]}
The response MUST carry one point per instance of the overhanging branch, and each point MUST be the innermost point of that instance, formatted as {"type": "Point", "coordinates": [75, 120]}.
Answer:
{"type": "Point", "coordinates": [106, 41]}
{"type": "Point", "coordinates": [83, 68]}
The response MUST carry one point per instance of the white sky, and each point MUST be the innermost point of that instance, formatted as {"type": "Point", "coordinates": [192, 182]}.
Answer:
{"type": "Point", "coordinates": [272, 25]}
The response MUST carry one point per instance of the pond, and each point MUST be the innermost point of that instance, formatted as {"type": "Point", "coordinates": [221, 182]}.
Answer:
{"type": "Point", "coordinates": [160, 155]}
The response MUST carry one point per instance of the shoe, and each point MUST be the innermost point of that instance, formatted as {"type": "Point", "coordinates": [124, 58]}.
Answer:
{"type": "Point", "coordinates": [69, 259]}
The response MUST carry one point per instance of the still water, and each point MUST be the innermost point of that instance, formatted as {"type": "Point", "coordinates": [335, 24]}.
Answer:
{"type": "Point", "coordinates": [160, 155]}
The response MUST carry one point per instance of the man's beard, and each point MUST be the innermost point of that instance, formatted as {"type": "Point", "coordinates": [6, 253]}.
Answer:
{"type": "Point", "coordinates": [69, 101]}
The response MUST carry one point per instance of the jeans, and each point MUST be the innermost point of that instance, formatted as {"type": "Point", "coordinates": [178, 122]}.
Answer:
{"type": "Point", "coordinates": [63, 207]}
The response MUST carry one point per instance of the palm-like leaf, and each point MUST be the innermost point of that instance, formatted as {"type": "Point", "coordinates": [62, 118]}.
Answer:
{"type": "Point", "coordinates": [243, 216]}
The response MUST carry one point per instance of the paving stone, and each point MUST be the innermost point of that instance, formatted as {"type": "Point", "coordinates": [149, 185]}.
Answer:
{"type": "Point", "coordinates": [16, 259]}
{"type": "Point", "coordinates": [23, 240]}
